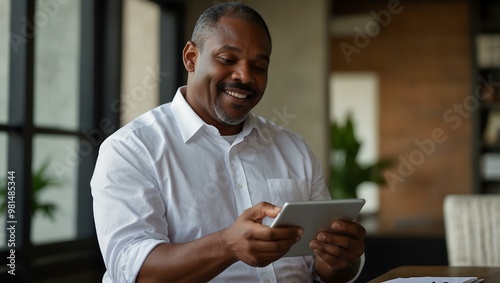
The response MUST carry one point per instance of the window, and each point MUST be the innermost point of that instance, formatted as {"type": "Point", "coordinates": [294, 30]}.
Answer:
{"type": "Point", "coordinates": [3, 168]}
{"type": "Point", "coordinates": [60, 66]}
{"type": "Point", "coordinates": [58, 155]}
{"type": "Point", "coordinates": [4, 58]}
{"type": "Point", "coordinates": [56, 106]}
{"type": "Point", "coordinates": [57, 56]}
{"type": "Point", "coordinates": [4, 102]}
{"type": "Point", "coordinates": [60, 85]}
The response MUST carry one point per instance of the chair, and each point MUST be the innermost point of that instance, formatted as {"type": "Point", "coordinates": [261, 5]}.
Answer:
{"type": "Point", "coordinates": [472, 227]}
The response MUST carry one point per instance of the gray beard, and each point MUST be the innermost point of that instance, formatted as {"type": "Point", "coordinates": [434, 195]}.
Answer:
{"type": "Point", "coordinates": [224, 117]}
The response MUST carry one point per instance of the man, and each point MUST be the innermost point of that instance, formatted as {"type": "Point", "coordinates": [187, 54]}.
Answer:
{"type": "Point", "coordinates": [183, 193]}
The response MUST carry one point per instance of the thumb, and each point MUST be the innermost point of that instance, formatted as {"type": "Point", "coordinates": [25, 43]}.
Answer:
{"type": "Point", "coordinates": [261, 210]}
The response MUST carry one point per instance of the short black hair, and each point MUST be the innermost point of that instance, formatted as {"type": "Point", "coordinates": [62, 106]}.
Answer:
{"type": "Point", "coordinates": [208, 20]}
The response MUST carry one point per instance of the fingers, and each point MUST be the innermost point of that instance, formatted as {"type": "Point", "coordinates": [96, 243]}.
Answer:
{"type": "Point", "coordinates": [352, 229]}
{"type": "Point", "coordinates": [256, 231]}
{"type": "Point", "coordinates": [261, 210]}
{"type": "Point", "coordinates": [267, 246]}
{"type": "Point", "coordinates": [342, 246]}
{"type": "Point", "coordinates": [256, 244]}
{"type": "Point", "coordinates": [275, 244]}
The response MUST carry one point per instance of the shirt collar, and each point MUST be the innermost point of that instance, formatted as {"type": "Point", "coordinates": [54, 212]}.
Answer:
{"type": "Point", "coordinates": [190, 123]}
{"type": "Point", "coordinates": [252, 122]}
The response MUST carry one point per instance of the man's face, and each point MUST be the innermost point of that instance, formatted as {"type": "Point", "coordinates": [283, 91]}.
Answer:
{"type": "Point", "coordinates": [228, 76]}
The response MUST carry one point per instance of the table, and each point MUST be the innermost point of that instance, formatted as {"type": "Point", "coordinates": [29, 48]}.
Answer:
{"type": "Point", "coordinates": [490, 274]}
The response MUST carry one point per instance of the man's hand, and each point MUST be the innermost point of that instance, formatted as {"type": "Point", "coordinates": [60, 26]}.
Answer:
{"type": "Point", "coordinates": [256, 244]}
{"type": "Point", "coordinates": [338, 252]}
{"type": "Point", "coordinates": [246, 240]}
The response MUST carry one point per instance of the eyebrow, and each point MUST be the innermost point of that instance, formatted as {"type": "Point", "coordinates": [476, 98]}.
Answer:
{"type": "Point", "coordinates": [238, 50]}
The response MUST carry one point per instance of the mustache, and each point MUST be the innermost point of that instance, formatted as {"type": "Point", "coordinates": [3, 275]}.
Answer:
{"type": "Point", "coordinates": [238, 85]}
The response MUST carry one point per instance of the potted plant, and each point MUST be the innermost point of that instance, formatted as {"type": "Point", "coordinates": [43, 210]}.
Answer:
{"type": "Point", "coordinates": [346, 173]}
{"type": "Point", "coordinates": [41, 182]}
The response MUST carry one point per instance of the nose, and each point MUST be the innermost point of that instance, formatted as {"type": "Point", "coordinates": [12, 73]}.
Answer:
{"type": "Point", "coordinates": [243, 73]}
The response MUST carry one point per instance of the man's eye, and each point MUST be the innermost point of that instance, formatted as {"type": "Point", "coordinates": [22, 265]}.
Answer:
{"type": "Point", "coordinates": [260, 69]}
{"type": "Point", "coordinates": [226, 60]}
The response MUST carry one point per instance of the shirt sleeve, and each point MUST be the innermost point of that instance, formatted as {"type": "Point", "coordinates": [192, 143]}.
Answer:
{"type": "Point", "coordinates": [319, 190]}
{"type": "Point", "coordinates": [129, 211]}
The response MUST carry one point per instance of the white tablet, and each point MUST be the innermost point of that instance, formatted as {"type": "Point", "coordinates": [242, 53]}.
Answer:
{"type": "Point", "coordinates": [313, 217]}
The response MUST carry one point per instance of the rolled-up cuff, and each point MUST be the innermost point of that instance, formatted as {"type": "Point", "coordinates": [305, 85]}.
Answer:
{"type": "Point", "coordinates": [316, 278]}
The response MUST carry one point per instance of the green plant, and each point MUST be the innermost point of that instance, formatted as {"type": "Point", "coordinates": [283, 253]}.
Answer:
{"type": "Point", "coordinates": [41, 182]}
{"type": "Point", "coordinates": [345, 171]}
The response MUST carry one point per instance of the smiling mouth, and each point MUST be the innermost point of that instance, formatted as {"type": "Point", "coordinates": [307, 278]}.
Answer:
{"type": "Point", "coordinates": [235, 94]}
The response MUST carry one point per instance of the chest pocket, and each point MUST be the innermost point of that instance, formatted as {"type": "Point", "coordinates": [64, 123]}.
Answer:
{"type": "Point", "coordinates": [283, 190]}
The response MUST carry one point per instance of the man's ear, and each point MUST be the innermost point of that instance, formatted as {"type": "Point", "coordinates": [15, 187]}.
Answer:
{"type": "Point", "coordinates": [189, 56]}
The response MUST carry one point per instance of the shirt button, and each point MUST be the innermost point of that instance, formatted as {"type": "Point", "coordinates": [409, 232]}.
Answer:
{"type": "Point", "coordinates": [239, 186]}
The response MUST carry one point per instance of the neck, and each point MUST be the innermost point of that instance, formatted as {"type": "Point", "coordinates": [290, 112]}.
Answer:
{"type": "Point", "coordinates": [229, 130]}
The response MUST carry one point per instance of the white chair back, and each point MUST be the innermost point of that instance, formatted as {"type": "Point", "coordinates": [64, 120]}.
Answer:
{"type": "Point", "coordinates": [472, 225]}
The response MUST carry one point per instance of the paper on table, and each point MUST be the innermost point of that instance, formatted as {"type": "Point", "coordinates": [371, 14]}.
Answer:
{"type": "Point", "coordinates": [432, 280]}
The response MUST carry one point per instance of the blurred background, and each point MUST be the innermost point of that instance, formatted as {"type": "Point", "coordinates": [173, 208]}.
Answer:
{"type": "Point", "coordinates": [420, 81]}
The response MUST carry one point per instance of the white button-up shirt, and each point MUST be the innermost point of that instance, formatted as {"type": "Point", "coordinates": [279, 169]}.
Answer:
{"type": "Point", "coordinates": [170, 177]}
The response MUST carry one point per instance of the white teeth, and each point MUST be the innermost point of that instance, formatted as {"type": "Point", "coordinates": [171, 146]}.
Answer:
{"type": "Point", "coordinates": [235, 94]}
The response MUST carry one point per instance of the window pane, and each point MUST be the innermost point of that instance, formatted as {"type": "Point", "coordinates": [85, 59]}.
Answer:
{"type": "Point", "coordinates": [60, 156]}
{"type": "Point", "coordinates": [57, 53]}
{"type": "Point", "coordinates": [3, 176]}
{"type": "Point", "coordinates": [4, 59]}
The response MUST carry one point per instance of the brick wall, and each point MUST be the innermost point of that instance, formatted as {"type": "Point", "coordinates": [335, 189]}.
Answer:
{"type": "Point", "coordinates": [422, 56]}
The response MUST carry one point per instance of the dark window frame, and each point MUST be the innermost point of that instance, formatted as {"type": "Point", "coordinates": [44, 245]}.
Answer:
{"type": "Point", "coordinates": [100, 66]}
{"type": "Point", "coordinates": [100, 88]}
{"type": "Point", "coordinates": [172, 41]}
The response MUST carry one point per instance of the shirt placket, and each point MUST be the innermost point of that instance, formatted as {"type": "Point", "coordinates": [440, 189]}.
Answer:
{"type": "Point", "coordinates": [239, 181]}
{"type": "Point", "coordinates": [243, 202]}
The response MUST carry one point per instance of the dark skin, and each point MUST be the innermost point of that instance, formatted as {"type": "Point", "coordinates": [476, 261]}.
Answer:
{"type": "Point", "coordinates": [245, 240]}
{"type": "Point", "coordinates": [230, 71]}
{"type": "Point", "coordinates": [232, 60]}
